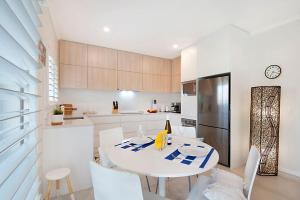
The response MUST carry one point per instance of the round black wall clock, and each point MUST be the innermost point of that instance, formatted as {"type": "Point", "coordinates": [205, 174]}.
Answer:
{"type": "Point", "coordinates": [273, 71]}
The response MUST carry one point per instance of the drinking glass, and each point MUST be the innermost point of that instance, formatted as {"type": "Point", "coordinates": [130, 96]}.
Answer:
{"type": "Point", "coordinates": [141, 131]}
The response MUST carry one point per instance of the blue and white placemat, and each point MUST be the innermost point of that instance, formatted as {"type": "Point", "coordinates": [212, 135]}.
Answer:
{"type": "Point", "coordinates": [133, 147]}
{"type": "Point", "coordinates": [176, 156]}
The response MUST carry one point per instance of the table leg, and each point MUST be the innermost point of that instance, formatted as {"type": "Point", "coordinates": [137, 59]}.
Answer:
{"type": "Point", "coordinates": [48, 190]}
{"type": "Point", "coordinates": [162, 186]}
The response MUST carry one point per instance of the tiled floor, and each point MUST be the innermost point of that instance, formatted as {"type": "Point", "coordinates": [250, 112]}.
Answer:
{"type": "Point", "coordinates": [265, 188]}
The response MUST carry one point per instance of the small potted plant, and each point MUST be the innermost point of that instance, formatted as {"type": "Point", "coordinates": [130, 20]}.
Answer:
{"type": "Point", "coordinates": [57, 117]}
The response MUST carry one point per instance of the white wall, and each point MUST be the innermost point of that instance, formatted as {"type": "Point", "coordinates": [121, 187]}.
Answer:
{"type": "Point", "coordinates": [49, 39]}
{"type": "Point", "coordinates": [101, 101]}
{"type": "Point", "coordinates": [281, 46]}
{"type": "Point", "coordinates": [189, 63]}
{"type": "Point", "coordinates": [246, 57]}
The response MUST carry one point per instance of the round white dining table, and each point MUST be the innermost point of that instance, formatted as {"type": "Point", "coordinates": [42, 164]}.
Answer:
{"type": "Point", "coordinates": [151, 162]}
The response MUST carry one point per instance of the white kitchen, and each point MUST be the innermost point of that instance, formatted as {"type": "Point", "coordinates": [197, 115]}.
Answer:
{"type": "Point", "coordinates": [149, 99]}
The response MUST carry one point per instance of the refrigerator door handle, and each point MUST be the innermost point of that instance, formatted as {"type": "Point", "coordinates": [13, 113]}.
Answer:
{"type": "Point", "coordinates": [212, 126]}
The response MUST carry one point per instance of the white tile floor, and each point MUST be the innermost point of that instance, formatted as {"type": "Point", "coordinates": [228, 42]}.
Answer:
{"type": "Point", "coordinates": [265, 188]}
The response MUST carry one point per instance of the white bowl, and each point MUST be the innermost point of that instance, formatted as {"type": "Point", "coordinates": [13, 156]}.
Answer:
{"type": "Point", "coordinates": [193, 151]}
{"type": "Point", "coordinates": [140, 140]}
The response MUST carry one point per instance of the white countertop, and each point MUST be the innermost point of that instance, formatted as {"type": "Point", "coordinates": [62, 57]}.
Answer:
{"type": "Point", "coordinates": [129, 114]}
{"type": "Point", "coordinates": [72, 123]}
{"type": "Point", "coordinates": [87, 122]}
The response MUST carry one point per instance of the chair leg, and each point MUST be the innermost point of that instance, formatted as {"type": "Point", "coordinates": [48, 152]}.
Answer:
{"type": "Point", "coordinates": [189, 183]}
{"type": "Point", "coordinates": [148, 184]}
{"type": "Point", "coordinates": [48, 190]}
{"type": "Point", "coordinates": [57, 188]}
{"type": "Point", "coordinates": [157, 186]}
{"type": "Point", "coordinates": [197, 175]}
{"type": "Point", "coordinates": [70, 188]}
{"type": "Point", "coordinates": [57, 185]}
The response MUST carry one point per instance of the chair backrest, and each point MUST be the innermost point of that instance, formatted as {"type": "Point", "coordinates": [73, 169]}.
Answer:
{"type": "Point", "coordinates": [111, 184]}
{"type": "Point", "coordinates": [184, 131]}
{"type": "Point", "coordinates": [250, 170]}
{"type": "Point", "coordinates": [110, 137]}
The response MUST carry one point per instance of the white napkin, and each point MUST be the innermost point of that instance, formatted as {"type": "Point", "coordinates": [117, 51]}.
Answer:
{"type": "Point", "coordinates": [225, 186]}
{"type": "Point", "coordinates": [225, 178]}
{"type": "Point", "coordinates": [217, 191]}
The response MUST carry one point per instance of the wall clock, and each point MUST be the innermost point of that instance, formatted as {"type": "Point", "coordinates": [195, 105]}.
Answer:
{"type": "Point", "coordinates": [272, 71]}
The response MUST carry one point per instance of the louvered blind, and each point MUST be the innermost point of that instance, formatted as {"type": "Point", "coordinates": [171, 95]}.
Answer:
{"type": "Point", "coordinates": [53, 80]}
{"type": "Point", "coordinates": [19, 141]}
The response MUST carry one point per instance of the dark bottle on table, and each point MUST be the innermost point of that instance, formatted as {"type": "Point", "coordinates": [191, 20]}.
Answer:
{"type": "Point", "coordinates": [169, 129]}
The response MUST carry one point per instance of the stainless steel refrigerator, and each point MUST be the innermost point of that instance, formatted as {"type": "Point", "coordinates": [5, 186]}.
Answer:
{"type": "Point", "coordinates": [213, 120]}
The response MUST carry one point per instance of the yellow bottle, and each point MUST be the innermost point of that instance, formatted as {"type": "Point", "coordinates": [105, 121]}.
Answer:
{"type": "Point", "coordinates": [161, 140]}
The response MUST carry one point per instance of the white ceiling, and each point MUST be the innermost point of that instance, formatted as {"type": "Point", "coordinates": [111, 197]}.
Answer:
{"type": "Point", "coordinates": [152, 26]}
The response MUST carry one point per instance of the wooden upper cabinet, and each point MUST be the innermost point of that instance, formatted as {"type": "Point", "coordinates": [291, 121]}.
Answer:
{"type": "Point", "coordinates": [176, 63]}
{"type": "Point", "coordinates": [176, 71]}
{"type": "Point", "coordinates": [93, 67]}
{"type": "Point", "coordinates": [147, 65]}
{"type": "Point", "coordinates": [73, 53]}
{"type": "Point", "coordinates": [155, 65]}
{"type": "Point", "coordinates": [151, 65]}
{"type": "Point", "coordinates": [165, 83]}
{"type": "Point", "coordinates": [71, 76]}
{"type": "Point", "coordinates": [130, 62]}
{"type": "Point", "coordinates": [104, 79]}
{"type": "Point", "coordinates": [176, 84]}
{"type": "Point", "coordinates": [166, 69]}
{"type": "Point", "coordinates": [130, 81]}
{"type": "Point", "coordinates": [156, 83]}
{"type": "Point", "coordinates": [102, 57]}
{"type": "Point", "coordinates": [156, 74]}
{"type": "Point", "coordinates": [150, 83]}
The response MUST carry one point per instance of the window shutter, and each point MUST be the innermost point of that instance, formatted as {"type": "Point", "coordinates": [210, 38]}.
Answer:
{"type": "Point", "coordinates": [19, 65]}
{"type": "Point", "coordinates": [53, 80]}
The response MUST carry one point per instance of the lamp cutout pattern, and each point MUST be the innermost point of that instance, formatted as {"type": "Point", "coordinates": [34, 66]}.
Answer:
{"type": "Point", "coordinates": [264, 127]}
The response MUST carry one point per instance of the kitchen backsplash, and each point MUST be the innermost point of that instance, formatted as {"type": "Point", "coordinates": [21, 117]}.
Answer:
{"type": "Point", "coordinates": [101, 101]}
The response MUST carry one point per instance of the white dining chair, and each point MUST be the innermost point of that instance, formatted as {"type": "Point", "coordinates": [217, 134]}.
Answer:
{"type": "Point", "coordinates": [110, 184]}
{"type": "Point", "coordinates": [249, 176]}
{"type": "Point", "coordinates": [250, 171]}
{"type": "Point", "coordinates": [184, 131]}
{"type": "Point", "coordinates": [107, 139]}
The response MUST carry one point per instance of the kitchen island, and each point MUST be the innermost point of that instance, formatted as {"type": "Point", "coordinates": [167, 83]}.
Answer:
{"type": "Point", "coordinates": [69, 145]}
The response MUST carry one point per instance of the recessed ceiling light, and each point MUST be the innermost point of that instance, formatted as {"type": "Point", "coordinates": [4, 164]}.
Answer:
{"type": "Point", "coordinates": [106, 29]}
{"type": "Point", "coordinates": [175, 46]}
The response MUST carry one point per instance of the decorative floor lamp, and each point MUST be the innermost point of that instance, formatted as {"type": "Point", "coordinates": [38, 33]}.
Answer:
{"type": "Point", "coordinates": [264, 127]}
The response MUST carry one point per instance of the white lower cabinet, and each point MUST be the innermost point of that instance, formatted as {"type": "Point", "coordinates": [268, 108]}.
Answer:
{"type": "Point", "coordinates": [152, 123]}
{"type": "Point", "coordinates": [130, 126]}
{"type": "Point", "coordinates": [106, 119]}
{"type": "Point", "coordinates": [98, 128]}
{"type": "Point", "coordinates": [130, 134]}
{"type": "Point", "coordinates": [155, 125]}
{"type": "Point", "coordinates": [175, 119]}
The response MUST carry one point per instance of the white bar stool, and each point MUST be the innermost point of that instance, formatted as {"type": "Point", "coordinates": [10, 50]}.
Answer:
{"type": "Point", "coordinates": [57, 175]}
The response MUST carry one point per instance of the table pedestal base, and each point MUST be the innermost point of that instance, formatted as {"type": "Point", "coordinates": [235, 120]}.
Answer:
{"type": "Point", "coordinates": [162, 186]}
